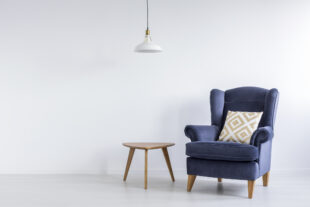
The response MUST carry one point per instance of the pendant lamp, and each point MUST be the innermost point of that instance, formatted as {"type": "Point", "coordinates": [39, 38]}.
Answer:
{"type": "Point", "coordinates": [148, 46]}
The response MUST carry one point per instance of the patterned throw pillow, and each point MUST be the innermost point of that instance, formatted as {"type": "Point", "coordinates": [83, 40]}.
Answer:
{"type": "Point", "coordinates": [239, 126]}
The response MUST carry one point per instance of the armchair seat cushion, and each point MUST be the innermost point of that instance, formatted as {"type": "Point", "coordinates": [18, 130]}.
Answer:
{"type": "Point", "coordinates": [217, 150]}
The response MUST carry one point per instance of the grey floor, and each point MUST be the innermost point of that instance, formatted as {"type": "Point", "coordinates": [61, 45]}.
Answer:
{"type": "Point", "coordinates": [286, 189]}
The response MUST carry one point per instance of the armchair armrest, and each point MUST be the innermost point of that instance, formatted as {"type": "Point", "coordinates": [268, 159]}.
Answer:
{"type": "Point", "coordinates": [201, 132]}
{"type": "Point", "coordinates": [261, 135]}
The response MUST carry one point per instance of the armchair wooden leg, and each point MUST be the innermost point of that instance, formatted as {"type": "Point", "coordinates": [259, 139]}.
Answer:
{"type": "Point", "coordinates": [190, 182]}
{"type": "Point", "coordinates": [266, 179]}
{"type": "Point", "coordinates": [251, 184]}
{"type": "Point", "coordinates": [219, 180]}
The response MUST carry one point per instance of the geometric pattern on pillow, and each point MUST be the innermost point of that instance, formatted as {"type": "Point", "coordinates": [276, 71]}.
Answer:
{"type": "Point", "coordinates": [239, 126]}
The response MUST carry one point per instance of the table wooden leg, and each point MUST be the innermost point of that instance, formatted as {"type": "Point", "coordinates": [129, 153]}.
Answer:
{"type": "Point", "coordinates": [166, 155]}
{"type": "Point", "coordinates": [130, 156]}
{"type": "Point", "coordinates": [145, 170]}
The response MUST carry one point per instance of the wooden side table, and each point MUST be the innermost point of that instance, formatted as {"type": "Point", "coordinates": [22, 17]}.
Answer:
{"type": "Point", "coordinates": [147, 146]}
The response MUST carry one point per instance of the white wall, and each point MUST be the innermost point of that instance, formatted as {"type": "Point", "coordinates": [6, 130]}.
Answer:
{"type": "Point", "coordinates": [72, 89]}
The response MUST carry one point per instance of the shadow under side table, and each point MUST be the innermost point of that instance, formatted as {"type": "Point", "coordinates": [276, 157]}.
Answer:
{"type": "Point", "coordinates": [147, 146]}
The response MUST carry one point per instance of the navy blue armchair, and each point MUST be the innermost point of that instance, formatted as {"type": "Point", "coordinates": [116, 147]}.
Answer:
{"type": "Point", "coordinates": [212, 158]}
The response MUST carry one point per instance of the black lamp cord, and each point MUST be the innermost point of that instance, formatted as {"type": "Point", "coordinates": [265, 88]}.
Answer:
{"type": "Point", "coordinates": [147, 14]}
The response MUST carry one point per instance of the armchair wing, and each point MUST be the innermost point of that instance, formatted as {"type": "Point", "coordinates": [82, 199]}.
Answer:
{"type": "Point", "coordinates": [201, 132]}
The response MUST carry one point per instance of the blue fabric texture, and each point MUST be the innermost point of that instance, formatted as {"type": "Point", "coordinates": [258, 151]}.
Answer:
{"type": "Point", "coordinates": [222, 151]}
{"type": "Point", "coordinates": [217, 100]}
{"type": "Point", "coordinates": [261, 135]}
{"type": "Point", "coordinates": [223, 169]}
{"type": "Point", "coordinates": [201, 133]}
{"type": "Point", "coordinates": [208, 157]}
{"type": "Point", "coordinates": [264, 157]}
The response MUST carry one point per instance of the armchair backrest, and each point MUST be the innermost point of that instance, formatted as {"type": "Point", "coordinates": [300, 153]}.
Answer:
{"type": "Point", "coordinates": [251, 99]}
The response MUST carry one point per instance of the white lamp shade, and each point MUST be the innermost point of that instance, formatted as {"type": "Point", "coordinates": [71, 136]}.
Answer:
{"type": "Point", "coordinates": [147, 46]}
